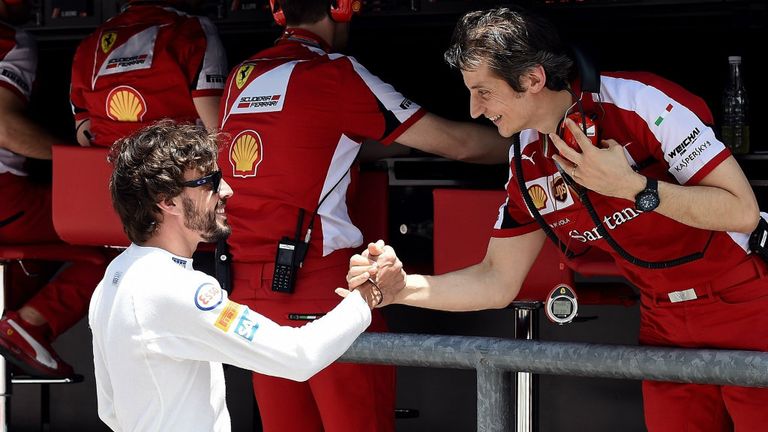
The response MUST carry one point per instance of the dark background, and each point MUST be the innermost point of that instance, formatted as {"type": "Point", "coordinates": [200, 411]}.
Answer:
{"type": "Point", "coordinates": [687, 41]}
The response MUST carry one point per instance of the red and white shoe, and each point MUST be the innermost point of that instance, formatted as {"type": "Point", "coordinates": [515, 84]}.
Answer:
{"type": "Point", "coordinates": [27, 347]}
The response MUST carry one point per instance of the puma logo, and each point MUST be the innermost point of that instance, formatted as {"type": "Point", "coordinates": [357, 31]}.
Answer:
{"type": "Point", "coordinates": [529, 158]}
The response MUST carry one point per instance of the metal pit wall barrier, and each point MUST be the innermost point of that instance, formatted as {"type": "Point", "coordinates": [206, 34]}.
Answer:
{"type": "Point", "coordinates": [494, 357]}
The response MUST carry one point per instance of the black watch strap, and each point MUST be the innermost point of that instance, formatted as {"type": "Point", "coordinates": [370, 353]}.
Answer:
{"type": "Point", "coordinates": [652, 185]}
{"type": "Point", "coordinates": [648, 198]}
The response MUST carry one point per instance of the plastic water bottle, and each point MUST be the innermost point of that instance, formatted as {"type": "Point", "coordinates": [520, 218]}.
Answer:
{"type": "Point", "coordinates": [735, 128]}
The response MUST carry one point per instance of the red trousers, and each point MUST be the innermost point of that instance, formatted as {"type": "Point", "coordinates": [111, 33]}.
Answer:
{"type": "Point", "coordinates": [344, 397]}
{"type": "Point", "coordinates": [25, 218]}
{"type": "Point", "coordinates": [730, 313]}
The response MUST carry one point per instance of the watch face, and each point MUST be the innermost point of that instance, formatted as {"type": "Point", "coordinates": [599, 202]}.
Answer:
{"type": "Point", "coordinates": [647, 201]}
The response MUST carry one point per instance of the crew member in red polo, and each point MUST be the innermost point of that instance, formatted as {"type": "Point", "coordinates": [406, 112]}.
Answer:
{"type": "Point", "coordinates": [670, 204]}
{"type": "Point", "coordinates": [296, 115]}
{"type": "Point", "coordinates": [150, 62]}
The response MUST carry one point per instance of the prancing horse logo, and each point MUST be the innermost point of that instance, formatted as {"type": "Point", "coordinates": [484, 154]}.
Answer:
{"type": "Point", "coordinates": [108, 40]}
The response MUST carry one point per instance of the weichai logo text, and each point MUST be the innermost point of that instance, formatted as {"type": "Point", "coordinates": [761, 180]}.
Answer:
{"type": "Point", "coordinates": [680, 149]}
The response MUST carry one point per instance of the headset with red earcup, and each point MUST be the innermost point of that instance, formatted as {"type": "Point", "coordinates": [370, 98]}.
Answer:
{"type": "Point", "coordinates": [341, 10]}
{"type": "Point", "coordinates": [277, 12]}
{"type": "Point", "coordinates": [586, 124]}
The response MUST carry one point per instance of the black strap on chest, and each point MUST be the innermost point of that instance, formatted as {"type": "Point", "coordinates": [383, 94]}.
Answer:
{"type": "Point", "coordinates": [601, 229]}
{"type": "Point", "coordinates": [569, 254]}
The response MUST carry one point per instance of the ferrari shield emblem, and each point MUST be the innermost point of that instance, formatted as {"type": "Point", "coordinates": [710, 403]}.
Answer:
{"type": "Point", "coordinates": [108, 41]}
{"type": "Point", "coordinates": [242, 75]}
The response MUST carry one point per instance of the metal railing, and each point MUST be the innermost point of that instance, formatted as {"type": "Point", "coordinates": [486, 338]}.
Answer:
{"type": "Point", "coordinates": [493, 358]}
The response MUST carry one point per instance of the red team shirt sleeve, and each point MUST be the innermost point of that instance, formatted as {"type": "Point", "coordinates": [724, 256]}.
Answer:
{"type": "Point", "coordinates": [202, 57]}
{"type": "Point", "coordinates": [18, 57]}
{"type": "Point", "coordinates": [82, 67]}
{"type": "Point", "coordinates": [371, 108]}
{"type": "Point", "coordinates": [655, 120]}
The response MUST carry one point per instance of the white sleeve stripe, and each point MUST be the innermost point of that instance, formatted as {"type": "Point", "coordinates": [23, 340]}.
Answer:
{"type": "Point", "coordinates": [687, 143]}
{"type": "Point", "coordinates": [213, 73]}
{"type": "Point", "coordinates": [17, 68]}
{"type": "Point", "coordinates": [400, 106]}
{"type": "Point", "coordinates": [338, 230]}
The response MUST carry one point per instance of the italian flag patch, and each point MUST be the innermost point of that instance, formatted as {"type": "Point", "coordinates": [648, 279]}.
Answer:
{"type": "Point", "coordinates": [661, 117]}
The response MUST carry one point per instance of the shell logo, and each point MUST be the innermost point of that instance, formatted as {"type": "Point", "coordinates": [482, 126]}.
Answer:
{"type": "Point", "coordinates": [245, 154]}
{"type": "Point", "coordinates": [242, 75]}
{"type": "Point", "coordinates": [125, 104]}
{"type": "Point", "coordinates": [538, 195]}
{"type": "Point", "coordinates": [108, 40]}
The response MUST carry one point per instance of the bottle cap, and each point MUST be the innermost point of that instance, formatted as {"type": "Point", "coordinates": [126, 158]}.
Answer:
{"type": "Point", "coordinates": [734, 59]}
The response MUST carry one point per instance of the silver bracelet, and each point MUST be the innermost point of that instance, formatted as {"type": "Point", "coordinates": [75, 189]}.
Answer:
{"type": "Point", "coordinates": [377, 291]}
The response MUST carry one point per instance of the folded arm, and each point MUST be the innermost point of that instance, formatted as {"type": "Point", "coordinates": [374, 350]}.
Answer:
{"type": "Point", "coordinates": [18, 133]}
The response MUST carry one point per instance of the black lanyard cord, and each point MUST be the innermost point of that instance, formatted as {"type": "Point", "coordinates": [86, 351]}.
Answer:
{"type": "Point", "coordinates": [623, 252]}
{"type": "Point", "coordinates": [601, 230]}
{"type": "Point", "coordinates": [569, 254]}
{"type": "Point", "coordinates": [327, 194]}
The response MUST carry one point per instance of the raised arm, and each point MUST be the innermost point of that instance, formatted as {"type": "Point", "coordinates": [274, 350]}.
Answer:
{"type": "Point", "coordinates": [722, 201]}
{"type": "Point", "coordinates": [232, 333]}
{"type": "Point", "coordinates": [491, 284]}
{"type": "Point", "coordinates": [456, 140]}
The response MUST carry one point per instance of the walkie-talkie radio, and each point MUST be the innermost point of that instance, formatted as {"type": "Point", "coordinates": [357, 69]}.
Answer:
{"type": "Point", "coordinates": [288, 259]}
{"type": "Point", "coordinates": [291, 252]}
{"type": "Point", "coordinates": [287, 264]}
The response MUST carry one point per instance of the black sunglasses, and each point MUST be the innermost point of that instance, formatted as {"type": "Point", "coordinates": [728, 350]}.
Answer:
{"type": "Point", "coordinates": [213, 178]}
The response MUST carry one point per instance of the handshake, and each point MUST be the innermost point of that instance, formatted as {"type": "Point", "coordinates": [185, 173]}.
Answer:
{"type": "Point", "coordinates": [377, 273]}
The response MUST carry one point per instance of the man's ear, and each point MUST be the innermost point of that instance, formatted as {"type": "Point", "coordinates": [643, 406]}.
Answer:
{"type": "Point", "coordinates": [537, 79]}
{"type": "Point", "coordinates": [170, 205]}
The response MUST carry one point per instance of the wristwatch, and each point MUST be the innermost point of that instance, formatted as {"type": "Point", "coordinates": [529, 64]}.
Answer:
{"type": "Point", "coordinates": [648, 198]}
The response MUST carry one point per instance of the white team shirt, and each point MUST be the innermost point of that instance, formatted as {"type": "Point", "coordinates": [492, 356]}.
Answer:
{"type": "Point", "coordinates": [161, 331]}
{"type": "Point", "coordinates": [18, 62]}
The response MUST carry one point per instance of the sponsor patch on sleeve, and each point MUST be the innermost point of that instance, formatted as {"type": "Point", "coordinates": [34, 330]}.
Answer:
{"type": "Point", "coordinates": [227, 316]}
{"type": "Point", "coordinates": [208, 296]}
{"type": "Point", "coordinates": [246, 327]}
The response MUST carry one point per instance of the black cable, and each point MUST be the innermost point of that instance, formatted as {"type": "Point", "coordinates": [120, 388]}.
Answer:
{"type": "Point", "coordinates": [11, 218]}
{"type": "Point", "coordinates": [595, 219]}
{"type": "Point", "coordinates": [532, 207]}
{"type": "Point", "coordinates": [327, 194]}
{"type": "Point", "coordinates": [623, 252]}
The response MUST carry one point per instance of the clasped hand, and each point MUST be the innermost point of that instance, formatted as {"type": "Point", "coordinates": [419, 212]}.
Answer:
{"type": "Point", "coordinates": [377, 263]}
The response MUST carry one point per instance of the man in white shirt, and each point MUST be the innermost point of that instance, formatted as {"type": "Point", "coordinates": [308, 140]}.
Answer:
{"type": "Point", "coordinates": [161, 329]}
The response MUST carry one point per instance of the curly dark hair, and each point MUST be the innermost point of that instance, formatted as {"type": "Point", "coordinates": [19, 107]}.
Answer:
{"type": "Point", "coordinates": [149, 167]}
{"type": "Point", "coordinates": [510, 42]}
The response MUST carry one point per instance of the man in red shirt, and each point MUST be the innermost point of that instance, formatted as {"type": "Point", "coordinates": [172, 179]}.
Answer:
{"type": "Point", "coordinates": [673, 207]}
{"type": "Point", "coordinates": [25, 216]}
{"type": "Point", "coordinates": [152, 61]}
{"type": "Point", "coordinates": [296, 115]}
